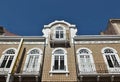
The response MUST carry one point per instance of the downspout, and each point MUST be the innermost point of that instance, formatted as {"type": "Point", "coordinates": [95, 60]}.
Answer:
{"type": "Point", "coordinates": [75, 59]}
{"type": "Point", "coordinates": [41, 70]}
{"type": "Point", "coordinates": [9, 77]}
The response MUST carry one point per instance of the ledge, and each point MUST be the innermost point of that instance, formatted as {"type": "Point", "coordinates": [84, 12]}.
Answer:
{"type": "Point", "coordinates": [58, 71]}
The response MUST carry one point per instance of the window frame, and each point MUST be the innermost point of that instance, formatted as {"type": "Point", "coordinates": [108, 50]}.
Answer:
{"type": "Point", "coordinates": [65, 62]}
{"type": "Point", "coordinates": [81, 68]}
{"type": "Point", "coordinates": [111, 69]}
{"type": "Point", "coordinates": [4, 54]}
{"type": "Point", "coordinates": [30, 69]}
{"type": "Point", "coordinates": [59, 32]}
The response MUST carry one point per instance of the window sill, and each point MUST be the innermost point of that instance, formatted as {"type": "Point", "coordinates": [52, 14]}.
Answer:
{"type": "Point", "coordinates": [59, 71]}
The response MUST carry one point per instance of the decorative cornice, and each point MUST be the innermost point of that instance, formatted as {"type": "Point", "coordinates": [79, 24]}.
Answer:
{"type": "Point", "coordinates": [56, 22]}
{"type": "Point", "coordinates": [96, 42]}
{"type": "Point", "coordinates": [96, 37]}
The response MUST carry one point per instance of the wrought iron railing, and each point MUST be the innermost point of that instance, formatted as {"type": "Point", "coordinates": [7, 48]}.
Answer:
{"type": "Point", "coordinates": [97, 68]}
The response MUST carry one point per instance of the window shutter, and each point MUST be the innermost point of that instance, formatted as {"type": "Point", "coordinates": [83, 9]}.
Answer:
{"type": "Point", "coordinates": [38, 63]}
{"type": "Point", "coordinates": [26, 63]}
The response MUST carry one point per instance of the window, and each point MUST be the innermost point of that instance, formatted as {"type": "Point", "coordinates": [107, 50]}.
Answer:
{"type": "Point", "coordinates": [6, 59]}
{"type": "Point", "coordinates": [59, 61]}
{"type": "Point", "coordinates": [111, 58]}
{"type": "Point", "coordinates": [32, 63]}
{"type": "Point", "coordinates": [59, 33]}
{"type": "Point", "coordinates": [85, 61]}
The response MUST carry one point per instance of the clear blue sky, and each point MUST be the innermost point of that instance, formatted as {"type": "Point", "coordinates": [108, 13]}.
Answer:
{"type": "Point", "coordinates": [27, 17]}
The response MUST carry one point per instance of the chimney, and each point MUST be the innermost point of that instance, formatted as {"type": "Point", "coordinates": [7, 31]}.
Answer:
{"type": "Point", "coordinates": [1, 30]}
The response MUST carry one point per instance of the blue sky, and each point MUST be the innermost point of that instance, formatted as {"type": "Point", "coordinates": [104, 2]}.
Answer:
{"type": "Point", "coordinates": [27, 17]}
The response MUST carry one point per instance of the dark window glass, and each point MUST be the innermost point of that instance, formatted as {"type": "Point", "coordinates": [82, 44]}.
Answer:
{"type": "Point", "coordinates": [108, 51]}
{"type": "Point", "coordinates": [56, 63]}
{"type": "Point", "coordinates": [57, 34]}
{"type": "Point", "coordinates": [11, 51]}
{"type": "Point", "coordinates": [116, 64]}
{"type": "Point", "coordinates": [9, 62]}
{"type": "Point", "coordinates": [4, 62]}
{"type": "Point", "coordinates": [61, 34]}
{"type": "Point", "coordinates": [83, 51]}
{"type": "Point", "coordinates": [109, 61]}
{"type": "Point", "coordinates": [62, 63]}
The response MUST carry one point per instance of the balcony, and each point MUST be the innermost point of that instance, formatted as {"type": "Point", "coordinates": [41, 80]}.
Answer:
{"type": "Point", "coordinates": [4, 71]}
{"type": "Point", "coordinates": [98, 72]}
{"type": "Point", "coordinates": [59, 42]}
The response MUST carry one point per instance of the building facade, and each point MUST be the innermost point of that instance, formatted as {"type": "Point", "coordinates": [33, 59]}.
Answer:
{"type": "Point", "coordinates": [60, 55]}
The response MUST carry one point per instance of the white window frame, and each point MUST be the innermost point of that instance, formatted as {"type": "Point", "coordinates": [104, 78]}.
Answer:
{"type": "Point", "coordinates": [65, 62]}
{"type": "Point", "coordinates": [4, 54]}
{"type": "Point", "coordinates": [83, 68]}
{"type": "Point", "coordinates": [30, 69]}
{"type": "Point", "coordinates": [114, 69]}
{"type": "Point", "coordinates": [64, 32]}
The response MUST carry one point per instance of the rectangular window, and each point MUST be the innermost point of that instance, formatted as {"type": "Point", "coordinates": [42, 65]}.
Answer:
{"type": "Point", "coordinates": [4, 62]}
{"type": "Point", "coordinates": [61, 34]}
{"type": "Point", "coordinates": [109, 61]}
{"type": "Point", "coordinates": [35, 64]}
{"type": "Point", "coordinates": [116, 64]}
{"type": "Point", "coordinates": [32, 63]}
{"type": "Point", "coordinates": [56, 62]}
{"type": "Point", "coordinates": [57, 34]}
{"type": "Point", "coordinates": [59, 63]}
{"type": "Point", "coordinates": [29, 64]}
{"type": "Point", "coordinates": [9, 62]}
{"type": "Point", "coordinates": [62, 63]}
{"type": "Point", "coordinates": [86, 65]}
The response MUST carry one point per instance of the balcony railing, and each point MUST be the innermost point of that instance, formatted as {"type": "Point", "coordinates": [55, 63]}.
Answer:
{"type": "Point", "coordinates": [32, 70]}
{"type": "Point", "coordinates": [4, 70]}
{"type": "Point", "coordinates": [87, 68]}
{"type": "Point", "coordinates": [97, 68]}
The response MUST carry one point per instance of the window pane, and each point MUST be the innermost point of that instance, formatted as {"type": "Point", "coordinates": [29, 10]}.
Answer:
{"type": "Point", "coordinates": [56, 62]}
{"type": "Point", "coordinates": [30, 62]}
{"type": "Point", "coordinates": [59, 28]}
{"type": "Point", "coordinates": [35, 64]}
{"type": "Point", "coordinates": [4, 62]}
{"type": "Point", "coordinates": [62, 63]}
{"type": "Point", "coordinates": [108, 51]}
{"type": "Point", "coordinates": [82, 60]}
{"type": "Point", "coordinates": [83, 51]}
{"type": "Point", "coordinates": [61, 34]}
{"type": "Point", "coordinates": [109, 61]}
{"type": "Point", "coordinates": [35, 51]}
{"type": "Point", "coordinates": [57, 34]}
{"type": "Point", "coordinates": [11, 51]}
{"type": "Point", "coordinates": [59, 51]}
{"type": "Point", "coordinates": [9, 62]}
{"type": "Point", "coordinates": [116, 64]}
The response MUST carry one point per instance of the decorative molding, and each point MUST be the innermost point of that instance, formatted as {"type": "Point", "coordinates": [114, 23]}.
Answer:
{"type": "Point", "coordinates": [9, 43]}
{"type": "Point", "coordinates": [33, 43]}
{"type": "Point", "coordinates": [96, 42]}
{"type": "Point", "coordinates": [23, 43]}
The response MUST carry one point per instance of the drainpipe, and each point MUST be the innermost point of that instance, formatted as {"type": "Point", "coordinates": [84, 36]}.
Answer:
{"type": "Point", "coordinates": [9, 77]}
{"type": "Point", "coordinates": [75, 59]}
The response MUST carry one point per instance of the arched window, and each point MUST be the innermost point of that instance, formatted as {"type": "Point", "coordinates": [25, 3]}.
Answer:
{"type": "Point", "coordinates": [59, 33]}
{"type": "Point", "coordinates": [59, 61]}
{"type": "Point", "coordinates": [85, 61]}
{"type": "Point", "coordinates": [33, 59]}
{"type": "Point", "coordinates": [7, 58]}
{"type": "Point", "coordinates": [111, 58]}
